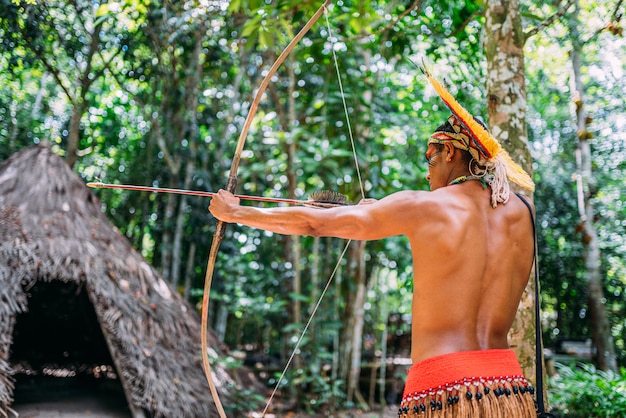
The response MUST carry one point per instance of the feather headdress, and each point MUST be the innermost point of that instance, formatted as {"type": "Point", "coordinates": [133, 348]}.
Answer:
{"type": "Point", "coordinates": [492, 156]}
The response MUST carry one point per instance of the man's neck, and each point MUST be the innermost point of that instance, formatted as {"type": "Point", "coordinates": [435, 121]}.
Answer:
{"type": "Point", "coordinates": [457, 172]}
{"type": "Point", "coordinates": [467, 177]}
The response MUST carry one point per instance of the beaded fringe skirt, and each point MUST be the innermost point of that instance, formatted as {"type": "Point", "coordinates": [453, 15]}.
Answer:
{"type": "Point", "coordinates": [468, 384]}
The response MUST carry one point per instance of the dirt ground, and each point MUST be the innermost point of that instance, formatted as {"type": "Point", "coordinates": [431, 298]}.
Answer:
{"type": "Point", "coordinates": [77, 399]}
{"type": "Point", "coordinates": [89, 409]}
{"type": "Point", "coordinates": [68, 398]}
{"type": "Point", "coordinates": [99, 407]}
{"type": "Point", "coordinates": [389, 412]}
{"type": "Point", "coordinates": [81, 407]}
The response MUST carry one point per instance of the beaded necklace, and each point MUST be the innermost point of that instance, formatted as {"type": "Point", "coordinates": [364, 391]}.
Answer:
{"type": "Point", "coordinates": [462, 179]}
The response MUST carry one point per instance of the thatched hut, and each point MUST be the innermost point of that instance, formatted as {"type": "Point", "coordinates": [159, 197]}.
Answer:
{"type": "Point", "coordinates": [74, 292]}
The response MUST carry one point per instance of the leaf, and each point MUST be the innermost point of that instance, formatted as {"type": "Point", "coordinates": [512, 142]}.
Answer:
{"type": "Point", "coordinates": [338, 152]}
{"type": "Point", "coordinates": [299, 296]}
{"type": "Point", "coordinates": [103, 10]}
{"type": "Point", "coordinates": [234, 6]}
{"type": "Point", "coordinates": [356, 25]}
{"type": "Point", "coordinates": [532, 16]}
{"type": "Point", "coordinates": [264, 39]}
{"type": "Point", "coordinates": [250, 27]}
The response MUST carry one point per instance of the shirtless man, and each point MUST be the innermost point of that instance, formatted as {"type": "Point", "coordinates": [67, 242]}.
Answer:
{"type": "Point", "coordinates": [471, 263]}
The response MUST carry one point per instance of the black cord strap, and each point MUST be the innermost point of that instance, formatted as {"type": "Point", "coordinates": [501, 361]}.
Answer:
{"type": "Point", "coordinates": [541, 407]}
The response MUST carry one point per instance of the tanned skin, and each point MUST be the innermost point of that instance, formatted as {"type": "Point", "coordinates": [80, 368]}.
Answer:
{"type": "Point", "coordinates": [471, 262]}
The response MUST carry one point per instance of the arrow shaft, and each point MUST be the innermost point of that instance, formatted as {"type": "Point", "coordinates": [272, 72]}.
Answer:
{"type": "Point", "coordinates": [193, 193]}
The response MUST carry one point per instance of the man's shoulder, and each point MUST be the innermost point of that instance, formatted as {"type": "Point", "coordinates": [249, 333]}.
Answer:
{"type": "Point", "coordinates": [430, 205]}
{"type": "Point", "coordinates": [520, 207]}
{"type": "Point", "coordinates": [523, 199]}
{"type": "Point", "coordinates": [417, 204]}
{"type": "Point", "coordinates": [415, 197]}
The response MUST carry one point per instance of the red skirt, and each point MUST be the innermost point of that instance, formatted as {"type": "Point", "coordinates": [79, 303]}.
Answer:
{"type": "Point", "coordinates": [486, 383]}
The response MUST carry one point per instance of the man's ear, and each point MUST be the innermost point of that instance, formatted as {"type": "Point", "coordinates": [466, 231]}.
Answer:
{"type": "Point", "coordinates": [450, 151]}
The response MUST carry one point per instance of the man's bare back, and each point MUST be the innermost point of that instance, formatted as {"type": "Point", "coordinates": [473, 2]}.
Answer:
{"type": "Point", "coordinates": [471, 265]}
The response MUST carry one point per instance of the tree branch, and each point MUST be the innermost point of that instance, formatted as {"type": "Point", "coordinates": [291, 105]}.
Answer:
{"type": "Point", "coordinates": [548, 21]}
{"type": "Point", "coordinates": [56, 74]}
{"type": "Point", "coordinates": [466, 22]}
{"type": "Point", "coordinates": [393, 23]}
{"type": "Point", "coordinates": [617, 16]}
{"type": "Point", "coordinates": [612, 26]}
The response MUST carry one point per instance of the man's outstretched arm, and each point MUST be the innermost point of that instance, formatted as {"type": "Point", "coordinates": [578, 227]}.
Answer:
{"type": "Point", "coordinates": [368, 221]}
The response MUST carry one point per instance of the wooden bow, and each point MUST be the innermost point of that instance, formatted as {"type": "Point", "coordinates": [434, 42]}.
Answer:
{"type": "Point", "coordinates": [230, 186]}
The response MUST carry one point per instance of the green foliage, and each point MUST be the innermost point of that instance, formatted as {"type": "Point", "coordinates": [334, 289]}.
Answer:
{"type": "Point", "coordinates": [584, 392]}
{"type": "Point", "coordinates": [552, 132]}
{"type": "Point", "coordinates": [321, 393]}
{"type": "Point", "coordinates": [243, 401]}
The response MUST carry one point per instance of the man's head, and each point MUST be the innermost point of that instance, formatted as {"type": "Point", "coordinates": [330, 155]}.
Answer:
{"type": "Point", "coordinates": [457, 134]}
{"type": "Point", "coordinates": [446, 163]}
{"type": "Point", "coordinates": [451, 154]}
{"type": "Point", "coordinates": [472, 135]}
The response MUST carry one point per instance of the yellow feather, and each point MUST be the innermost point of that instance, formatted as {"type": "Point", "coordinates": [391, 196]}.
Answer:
{"type": "Point", "coordinates": [491, 145]}
{"type": "Point", "coordinates": [514, 172]}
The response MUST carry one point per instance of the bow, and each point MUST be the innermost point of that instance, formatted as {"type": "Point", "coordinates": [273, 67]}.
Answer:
{"type": "Point", "coordinates": [220, 227]}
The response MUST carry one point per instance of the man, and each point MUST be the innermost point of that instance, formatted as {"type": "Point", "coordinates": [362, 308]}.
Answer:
{"type": "Point", "coordinates": [472, 251]}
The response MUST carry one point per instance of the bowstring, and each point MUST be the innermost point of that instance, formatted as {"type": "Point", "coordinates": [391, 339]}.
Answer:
{"type": "Point", "coordinates": [296, 348]}
{"type": "Point", "coordinates": [343, 101]}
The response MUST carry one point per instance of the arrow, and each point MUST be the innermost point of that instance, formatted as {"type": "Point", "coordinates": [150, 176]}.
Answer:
{"type": "Point", "coordinates": [322, 199]}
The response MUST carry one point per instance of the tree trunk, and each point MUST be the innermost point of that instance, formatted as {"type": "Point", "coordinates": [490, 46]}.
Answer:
{"type": "Point", "coordinates": [13, 127]}
{"type": "Point", "coordinates": [189, 271]}
{"type": "Point", "coordinates": [166, 237]}
{"type": "Point", "coordinates": [506, 94]}
{"type": "Point", "coordinates": [292, 183]}
{"type": "Point", "coordinates": [177, 246]}
{"type": "Point", "coordinates": [354, 321]}
{"type": "Point", "coordinates": [40, 95]}
{"type": "Point", "coordinates": [84, 83]}
{"type": "Point", "coordinates": [191, 130]}
{"type": "Point", "coordinates": [601, 330]}
{"type": "Point", "coordinates": [73, 135]}
{"type": "Point", "coordinates": [337, 346]}
{"type": "Point", "coordinates": [315, 281]}
{"type": "Point", "coordinates": [384, 318]}
{"type": "Point", "coordinates": [358, 123]}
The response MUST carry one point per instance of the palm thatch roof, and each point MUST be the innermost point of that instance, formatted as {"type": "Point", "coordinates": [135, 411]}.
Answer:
{"type": "Point", "coordinates": [52, 229]}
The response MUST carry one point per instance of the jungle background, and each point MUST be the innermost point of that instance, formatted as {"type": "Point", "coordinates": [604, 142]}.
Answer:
{"type": "Point", "coordinates": [155, 93]}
